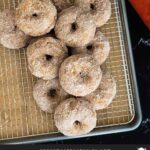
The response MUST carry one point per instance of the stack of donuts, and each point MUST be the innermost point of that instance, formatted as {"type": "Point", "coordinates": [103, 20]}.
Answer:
{"type": "Point", "coordinates": [65, 50]}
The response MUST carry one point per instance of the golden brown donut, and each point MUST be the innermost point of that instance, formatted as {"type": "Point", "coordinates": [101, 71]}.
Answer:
{"type": "Point", "coordinates": [11, 37]}
{"type": "Point", "coordinates": [80, 75]}
{"type": "Point", "coordinates": [45, 56]}
{"type": "Point", "coordinates": [62, 4]}
{"type": "Point", "coordinates": [99, 10]}
{"type": "Point", "coordinates": [99, 48]}
{"type": "Point", "coordinates": [74, 28]}
{"type": "Point", "coordinates": [48, 94]}
{"type": "Point", "coordinates": [36, 17]}
{"type": "Point", "coordinates": [75, 116]}
{"type": "Point", "coordinates": [105, 93]}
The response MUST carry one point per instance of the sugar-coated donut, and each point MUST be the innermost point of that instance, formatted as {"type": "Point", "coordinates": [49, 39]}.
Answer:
{"type": "Point", "coordinates": [45, 56]}
{"type": "Point", "coordinates": [36, 17]}
{"type": "Point", "coordinates": [74, 28]}
{"type": "Point", "coordinates": [11, 37]}
{"type": "Point", "coordinates": [75, 116]}
{"type": "Point", "coordinates": [99, 48]}
{"type": "Point", "coordinates": [80, 75]}
{"type": "Point", "coordinates": [99, 10]}
{"type": "Point", "coordinates": [62, 4]}
{"type": "Point", "coordinates": [48, 94]}
{"type": "Point", "coordinates": [105, 93]}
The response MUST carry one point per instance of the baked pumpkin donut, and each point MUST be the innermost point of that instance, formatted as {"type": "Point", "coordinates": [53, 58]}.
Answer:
{"type": "Point", "coordinates": [45, 56]}
{"type": "Point", "coordinates": [62, 4]}
{"type": "Point", "coordinates": [99, 10]}
{"type": "Point", "coordinates": [74, 28]}
{"type": "Point", "coordinates": [36, 17]}
{"type": "Point", "coordinates": [75, 116]}
{"type": "Point", "coordinates": [48, 94]}
{"type": "Point", "coordinates": [104, 94]}
{"type": "Point", "coordinates": [80, 75]}
{"type": "Point", "coordinates": [11, 37]}
{"type": "Point", "coordinates": [99, 48]}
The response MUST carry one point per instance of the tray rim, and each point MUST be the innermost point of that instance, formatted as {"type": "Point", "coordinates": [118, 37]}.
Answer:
{"type": "Point", "coordinates": [132, 125]}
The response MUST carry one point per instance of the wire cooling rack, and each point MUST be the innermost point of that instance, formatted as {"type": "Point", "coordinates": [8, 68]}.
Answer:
{"type": "Point", "coordinates": [19, 115]}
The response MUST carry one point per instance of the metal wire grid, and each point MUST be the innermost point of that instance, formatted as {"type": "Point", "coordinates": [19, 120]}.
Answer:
{"type": "Point", "coordinates": [20, 116]}
{"type": "Point", "coordinates": [122, 109]}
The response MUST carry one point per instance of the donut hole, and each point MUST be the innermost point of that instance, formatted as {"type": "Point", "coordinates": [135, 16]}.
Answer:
{"type": "Point", "coordinates": [92, 7]}
{"type": "Point", "coordinates": [34, 15]}
{"type": "Point", "coordinates": [90, 47]}
{"type": "Point", "coordinates": [48, 57]}
{"type": "Point", "coordinates": [52, 93]}
{"type": "Point", "coordinates": [77, 123]}
{"type": "Point", "coordinates": [74, 27]}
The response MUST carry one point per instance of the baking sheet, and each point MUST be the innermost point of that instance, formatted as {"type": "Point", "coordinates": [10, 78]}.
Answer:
{"type": "Point", "coordinates": [19, 114]}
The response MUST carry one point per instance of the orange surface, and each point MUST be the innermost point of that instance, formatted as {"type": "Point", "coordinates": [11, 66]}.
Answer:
{"type": "Point", "coordinates": [143, 9]}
